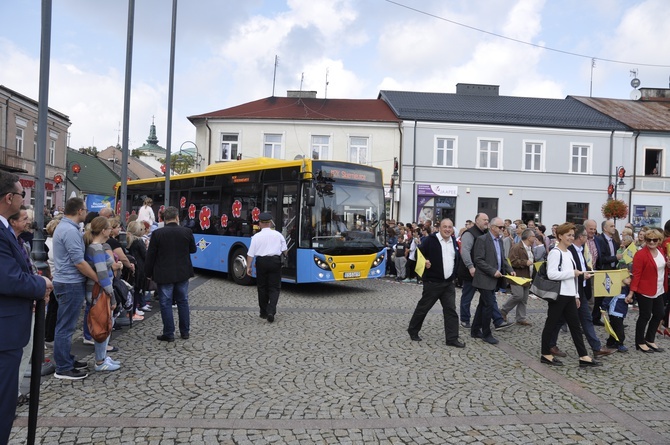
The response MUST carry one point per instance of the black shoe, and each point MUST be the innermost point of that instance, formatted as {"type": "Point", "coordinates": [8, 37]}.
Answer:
{"type": "Point", "coordinates": [588, 364]}
{"type": "Point", "coordinates": [553, 362]}
{"type": "Point", "coordinates": [414, 337]}
{"type": "Point", "coordinates": [647, 351]}
{"type": "Point", "coordinates": [80, 365]}
{"type": "Point", "coordinates": [165, 338]}
{"type": "Point", "coordinates": [456, 343]}
{"type": "Point", "coordinates": [477, 334]}
{"type": "Point", "coordinates": [185, 336]}
{"type": "Point", "coordinates": [490, 339]}
{"type": "Point", "coordinates": [263, 316]}
{"type": "Point", "coordinates": [72, 374]}
{"type": "Point", "coordinates": [654, 348]}
{"type": "Point", "coordinates": [466, 324]}
{"type": "Point", "coordinates": [271, 318]}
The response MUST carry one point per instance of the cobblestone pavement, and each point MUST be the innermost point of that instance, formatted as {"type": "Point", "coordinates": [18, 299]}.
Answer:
{"type": "Point", "coordinates": [337, 366]}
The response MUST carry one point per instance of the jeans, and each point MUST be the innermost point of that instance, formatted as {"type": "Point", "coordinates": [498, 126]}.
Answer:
{"type": "Point", "coordinates": [70, 298]}
{"type": "Point", "coordinates": [101, 349]}
{"type": "Point", "coordinates": [484, 313]}
{"type": "Point", "coordinates": [467, 295]}
{"type": "Point", "coordinates": [178, 291]}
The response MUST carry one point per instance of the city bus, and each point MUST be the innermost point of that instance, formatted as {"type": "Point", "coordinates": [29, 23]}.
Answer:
{"type": "Point", "coordinates": [331, 214]}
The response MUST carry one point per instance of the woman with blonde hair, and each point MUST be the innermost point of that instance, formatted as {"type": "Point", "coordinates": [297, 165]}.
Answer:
{"type": "Point", "coordinates": [104, 265]}
{"type": "Point", "coordinates": [146, 213]}
{"type": "Point", "coordinates": [138, 249]}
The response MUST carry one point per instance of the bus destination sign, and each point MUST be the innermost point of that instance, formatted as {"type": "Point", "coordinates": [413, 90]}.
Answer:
{"type": "Point", "coordinates": [349, 174]}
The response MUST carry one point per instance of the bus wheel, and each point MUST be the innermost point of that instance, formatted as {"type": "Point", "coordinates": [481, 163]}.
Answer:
{"type": "Point", "coordinates": [238, 267]}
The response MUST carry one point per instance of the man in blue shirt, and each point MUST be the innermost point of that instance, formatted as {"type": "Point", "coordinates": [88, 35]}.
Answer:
{"type": "Point", "coordinates": [71, 271]}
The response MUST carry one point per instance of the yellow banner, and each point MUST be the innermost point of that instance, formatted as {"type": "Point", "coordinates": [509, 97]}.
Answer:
{"type": "Point", "coordinates": [519, 281]}
{"type": "Point", "coordinates": [537, 265]}
{"type": "Point", "coordinates": [420, 263]}
{"type": "Point", "coordinates": [607, 283]}
{"type": "Point", "coordinates": [629, 253]}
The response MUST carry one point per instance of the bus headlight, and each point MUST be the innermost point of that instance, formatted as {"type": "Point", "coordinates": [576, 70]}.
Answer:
{"type": "Point", "coordinates": [378, 260]}
{"type": "Point", "coordinates": [321, 264]}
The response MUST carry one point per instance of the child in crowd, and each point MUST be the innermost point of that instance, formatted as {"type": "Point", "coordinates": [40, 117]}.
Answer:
{"type": "Point", "coordinates": [617, 308]}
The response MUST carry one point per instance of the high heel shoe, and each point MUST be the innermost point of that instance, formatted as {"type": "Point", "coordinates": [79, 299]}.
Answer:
{"type": "Point", "coordinates": [647, 351]}
{"type": "Point", "coordinates": [654, 348]}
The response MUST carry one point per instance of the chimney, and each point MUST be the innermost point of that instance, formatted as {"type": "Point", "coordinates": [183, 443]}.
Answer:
{"type": "Point", "coordinates": [302, 94]}
{"type": "Point", "coordinates": [473, 89]}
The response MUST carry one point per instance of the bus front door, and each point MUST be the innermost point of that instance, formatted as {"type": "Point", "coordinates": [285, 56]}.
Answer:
{"type": "Point", "coordinates": [282, 201]}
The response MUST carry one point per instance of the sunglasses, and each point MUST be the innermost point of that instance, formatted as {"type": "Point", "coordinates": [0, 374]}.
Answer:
{"type": "Point", "coordinates": [652, 240]}
{"type": "Point", "coordinates": [500, 227]}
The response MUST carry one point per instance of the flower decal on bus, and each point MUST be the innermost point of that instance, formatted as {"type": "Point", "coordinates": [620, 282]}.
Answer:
{"type": "Point", "coordinates": [205, 215]}
{"type": "Point", "coordinates": [224, 220]}
{"type": "Point", "coordinates": [182, 202]}
{"type": "Point", "coordinates": [118, 207]}
{"type": "Point", "coordinates": [191, 211]}
{"type": "Point", "coordinates": [161, 209]}
{"type": "Point", "coordinates": [255, 214]}
{"type": "Point", "coordinates": [237, 208]}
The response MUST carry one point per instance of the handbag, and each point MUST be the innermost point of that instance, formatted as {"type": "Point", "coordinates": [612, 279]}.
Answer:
{"type": "Point", "coordinates": [543, 287]}
{"type": "Point", "coordinates": [100, 315]}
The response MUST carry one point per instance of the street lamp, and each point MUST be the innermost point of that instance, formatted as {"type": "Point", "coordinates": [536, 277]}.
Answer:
{"type": "Point", "coordinates": [197, 159]}
{"type": "Point", "coordinates": [394, 180]}
{"type": "Point", "coordinates": [75, 168]}
{"type": "Point", "coordinates": [617, 184]}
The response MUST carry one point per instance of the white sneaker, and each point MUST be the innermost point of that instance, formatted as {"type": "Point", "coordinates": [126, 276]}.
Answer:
{"type": "Point", "coordinates": [138, 312]}
{"type": "Point", "coordinates": [88, 342]}
{"type": "Point", "coordinates": [146, 308]}
{"type": "Point", "coordinates": [107, 365]}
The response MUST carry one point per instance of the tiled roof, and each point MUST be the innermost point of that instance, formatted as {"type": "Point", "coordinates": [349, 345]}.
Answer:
{"type": "Point", "coordinates": [373, 110]}
{"type": "Point", "coordinates": [638, 114]}
{"type": "Point", "coordinates": [94, 177]}
{"type": "Point", "coordinates": [497, 110]}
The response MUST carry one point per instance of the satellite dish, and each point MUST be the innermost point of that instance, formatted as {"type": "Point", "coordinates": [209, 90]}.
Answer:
{"type": "Point", "coordinates": [635, 95]}
{"type": "Point", "coordinates": [298, 157]}
{"type": "Point", "coordinates": [635, 82]}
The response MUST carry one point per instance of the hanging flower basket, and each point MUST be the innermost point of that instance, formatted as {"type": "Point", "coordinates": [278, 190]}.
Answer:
{"type": "Point", "coordinates": [615, 208]}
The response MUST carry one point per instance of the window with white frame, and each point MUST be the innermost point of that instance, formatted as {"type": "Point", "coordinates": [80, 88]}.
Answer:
{"type": "Point", "coordinates": [358, 149]}
{"type": "Point", "coordinates": [320, 147]}
{"type": "Point", "coordinates": [489, 154]}
{"type": "Point", "coordinates": [532, 156]}
{"type": "Point", "coordinates": [272, 146]}
{"type": "Point", "coordinates": [445, 152]}
{"type": "Point", "coordinates": [19, 141]}
{"type": "Point", "coordinates": [229, 146]}
{"type": "Point", "coordinates": [580, 158]}
{"type": "Point", "coordinates": [52, 152]}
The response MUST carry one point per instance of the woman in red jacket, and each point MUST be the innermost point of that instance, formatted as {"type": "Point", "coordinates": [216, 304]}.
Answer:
{"type": "Point", "coordinates": [650, 282]}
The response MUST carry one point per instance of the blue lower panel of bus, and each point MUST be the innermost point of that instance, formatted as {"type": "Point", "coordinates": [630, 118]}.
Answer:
{"type": "Point", "coordinates": [315, 267]}
{"type": "Point", "coordinates": [212, 251]}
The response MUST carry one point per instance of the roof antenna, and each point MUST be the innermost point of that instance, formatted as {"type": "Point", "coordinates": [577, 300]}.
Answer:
{"type": "Point", "coordinates": [274, 76]}
{"type": "Point", "coordinates": [302, 78]}
{"type": "Point", "coordinates": [326, 92]}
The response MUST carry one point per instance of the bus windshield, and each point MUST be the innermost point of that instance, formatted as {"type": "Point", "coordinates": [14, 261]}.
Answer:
{"type": "Point", "coordinates": [346, 218]}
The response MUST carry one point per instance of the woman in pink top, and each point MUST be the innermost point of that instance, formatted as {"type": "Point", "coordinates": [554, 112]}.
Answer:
{"type": "Point", "coordinates": [650, 282]}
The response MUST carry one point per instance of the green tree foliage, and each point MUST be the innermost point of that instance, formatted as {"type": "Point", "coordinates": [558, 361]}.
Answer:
{"type": "Point", "coordinates": [137, 153]}
{"type": "Point", "coordinates": [92, 151]}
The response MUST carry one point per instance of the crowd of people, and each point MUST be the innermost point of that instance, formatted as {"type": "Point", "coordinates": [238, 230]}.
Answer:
{"type": "Point", "coordinates": [85, 252]}
{"type": "Point", "coordinates": [478, 258]}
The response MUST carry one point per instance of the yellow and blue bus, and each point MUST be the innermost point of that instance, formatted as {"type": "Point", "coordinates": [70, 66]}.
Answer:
{"type": "Point", "coordinates": [331, 214]}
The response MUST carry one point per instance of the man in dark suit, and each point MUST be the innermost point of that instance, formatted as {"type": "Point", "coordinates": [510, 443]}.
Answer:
{"type": "Point", "coordinates": [585, 294]}
{"type": "Point", "coordinates": [168, 263]}
{"type": "Point", "coordinates": [608, 259]}
{"type": "Point", "coordinates": [491, 265]}
{"type": "Point", "coordinates": [18, 291]}
{"type": "Point", "coordinates": [441, 253]}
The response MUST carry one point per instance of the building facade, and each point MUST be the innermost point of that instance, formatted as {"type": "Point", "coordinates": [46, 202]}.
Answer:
{"type": "Point", "coordinates": [18, 146]}
{"type": "Point", "coordinates": [550, 160]}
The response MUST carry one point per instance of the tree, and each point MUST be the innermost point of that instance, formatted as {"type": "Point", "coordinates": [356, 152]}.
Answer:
{"type": "Point", "coordinates": [179, 163]}
{"type": "Point", "coordinates": [137, 153]}
{"type": "Point", "coordinates": [92, 150]}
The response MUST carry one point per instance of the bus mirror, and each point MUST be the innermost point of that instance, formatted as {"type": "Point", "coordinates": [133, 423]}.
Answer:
{"type": "Point", "coordinates": [310, 196]}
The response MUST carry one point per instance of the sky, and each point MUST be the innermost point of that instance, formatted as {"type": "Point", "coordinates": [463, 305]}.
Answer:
{"type": "Point", "coordinates": [225, 53]}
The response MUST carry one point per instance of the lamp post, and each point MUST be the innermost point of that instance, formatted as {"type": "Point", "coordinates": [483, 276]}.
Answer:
{"type": "Point", "coordinates": [75, 168]}
{"type": "Point", "coordinates": [197, 159]}
{"type": "Point", "coordinates": [618, 183]}
{"type": "Point", "coordinates": [394, 180]}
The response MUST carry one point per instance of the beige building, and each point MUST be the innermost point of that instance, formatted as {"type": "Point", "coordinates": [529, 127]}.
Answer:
{"type": "Point", "coordinates": [18, 145]}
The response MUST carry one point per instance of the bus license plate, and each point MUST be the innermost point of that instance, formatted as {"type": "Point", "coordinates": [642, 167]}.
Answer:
{"type": "Point", "coordinates": [352, 274]}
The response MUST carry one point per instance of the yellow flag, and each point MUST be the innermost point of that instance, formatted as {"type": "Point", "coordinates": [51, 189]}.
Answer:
{"type": "Point", "coordinates": [519, 281]}
{"type": "Point", "coordinates": [629, 253]}
{"type": "Point", "coordinates": [607, 283]}
{"type": "Point", "coordinates": [608, 325]}
{"type": "Point", "coordinates": [420, 263]}
{"type": "Point", "coordinates": [587, 257]}
{"type": "Point", "coordinates": [537, 265]}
